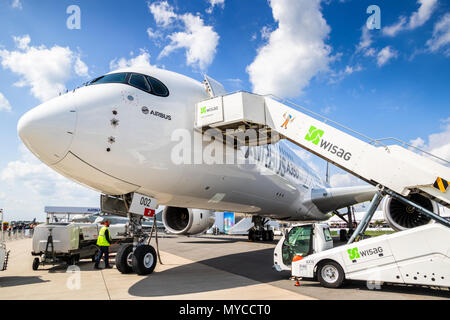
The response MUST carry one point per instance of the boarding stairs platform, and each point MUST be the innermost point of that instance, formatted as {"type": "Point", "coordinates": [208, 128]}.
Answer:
{"type": "Point", "coordinates": [400, 169]}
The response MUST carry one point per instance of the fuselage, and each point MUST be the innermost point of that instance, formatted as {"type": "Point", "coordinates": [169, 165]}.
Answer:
{"type": "Point", "coordinates": [117, 138]}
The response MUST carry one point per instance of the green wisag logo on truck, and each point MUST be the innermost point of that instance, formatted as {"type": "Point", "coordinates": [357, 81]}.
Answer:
{"type": "Point", "coordinates": [203, 110]}
{"type": "Point", "coordinates": [353, 254]}
{"type": "Point", "coordinates": [314, 135]}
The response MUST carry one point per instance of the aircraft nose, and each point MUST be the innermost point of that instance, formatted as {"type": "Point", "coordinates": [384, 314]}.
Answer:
{"type": "Point", "coordinates": [48, 130]}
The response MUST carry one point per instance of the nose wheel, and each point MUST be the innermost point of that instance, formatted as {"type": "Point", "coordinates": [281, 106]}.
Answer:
{"type": "Point", "coordinates": [144, 260]}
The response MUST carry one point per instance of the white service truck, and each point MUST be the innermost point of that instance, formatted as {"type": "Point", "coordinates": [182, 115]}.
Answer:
{"type": "Point", "coordinates": [419, 256]}
{"type": "Point", "coordinates": [301, 240]}
{"type": "Point", "coordinates": [69, 242]}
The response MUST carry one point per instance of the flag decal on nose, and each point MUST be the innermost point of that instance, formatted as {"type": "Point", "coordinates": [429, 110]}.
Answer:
{"type": "Point", "coordinates": [149, 213]}
{"type": "Point", "coordinates": [441, 184]}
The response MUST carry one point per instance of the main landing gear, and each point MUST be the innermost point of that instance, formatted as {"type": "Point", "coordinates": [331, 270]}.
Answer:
{"type": "Point", "coordinates": [261, 230]}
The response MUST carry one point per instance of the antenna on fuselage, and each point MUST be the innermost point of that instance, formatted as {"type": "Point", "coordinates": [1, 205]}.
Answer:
{"type": "Point", "coordinates": [213, 87]}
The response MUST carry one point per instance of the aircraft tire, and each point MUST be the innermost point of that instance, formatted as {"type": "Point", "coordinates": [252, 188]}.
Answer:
{"type": "Point", "coordinates": [36, 264]}
{"type": "Point", "coordinates": [144, 260]}
{"type": "Point", "coordinates": [124, 260]}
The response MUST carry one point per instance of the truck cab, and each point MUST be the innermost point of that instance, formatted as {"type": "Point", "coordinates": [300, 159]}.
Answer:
{"type": "Point", "coordinates": [301, 240]}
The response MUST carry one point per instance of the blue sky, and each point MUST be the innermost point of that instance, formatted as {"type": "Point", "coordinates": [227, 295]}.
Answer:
{"type": "Point", "coordinates": [388, 82]}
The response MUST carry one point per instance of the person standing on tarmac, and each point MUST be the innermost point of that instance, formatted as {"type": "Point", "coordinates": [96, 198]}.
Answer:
{"type": "Point", "coordinates": [103, 242]}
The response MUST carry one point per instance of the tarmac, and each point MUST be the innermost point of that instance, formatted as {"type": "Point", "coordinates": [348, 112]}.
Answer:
{"type": "Point", "coordinates": [196, 268]}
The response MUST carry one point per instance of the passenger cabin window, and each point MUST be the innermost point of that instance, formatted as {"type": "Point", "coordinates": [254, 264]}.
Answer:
{"type": "Point", "coordinates": [139, 81]}
{"type": "Point", "coordinates": [142, 82]}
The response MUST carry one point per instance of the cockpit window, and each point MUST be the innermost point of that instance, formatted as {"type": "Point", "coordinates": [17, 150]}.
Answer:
{"type": "Point", "coordinates": [158, 88]}
{"type": "Point", "coordinates": [111, 78]}
{"type": "Point", "coordinates": [139, 81]}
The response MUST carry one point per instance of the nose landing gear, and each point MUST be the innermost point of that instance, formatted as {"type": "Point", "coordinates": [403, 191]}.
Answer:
{"type": "Point", "coordinates": [139, 257]}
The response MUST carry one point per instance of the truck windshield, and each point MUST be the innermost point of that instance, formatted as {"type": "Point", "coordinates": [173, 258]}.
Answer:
{"type": "Point", "coordinates": [298, 242]}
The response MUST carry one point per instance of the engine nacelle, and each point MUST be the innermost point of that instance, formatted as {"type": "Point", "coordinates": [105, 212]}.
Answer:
{"type": "Point", "coordinates": [183, 221]}
{"type": "Point", "coordinates": [402, 217]}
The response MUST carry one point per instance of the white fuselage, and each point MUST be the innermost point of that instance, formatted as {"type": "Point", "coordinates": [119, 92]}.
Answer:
{"type": "Point", "coordinates": [118, 139]}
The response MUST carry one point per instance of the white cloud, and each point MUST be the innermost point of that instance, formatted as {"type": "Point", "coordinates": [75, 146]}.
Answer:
{"type": "Point", "coordinates": [42, 69]}
{"type": "Point", "coordinates": [295, 51]}
{"type": "Point", "coordinates": [344, 180]}
{"type": "Point", "coordinates": [142, 60]}
{"type": "Point", "coordinates": [16, 4]}
{"type": "Point", "coordinates": [163, 13]}
{"type": "Point", "coordinates": [424, 13]}
{"type": "Point", "coordinates": [4, 103]}
{"type": "Point", "coordinates": [395, 28]}
{"type": "Point", "coordinates": [22, 42]}
{"type": "Point", "coordinates": [80, 68]}
{"type": "Point", "coordinates": [365, 41]}
{"type": "Point", "coordinates": [386, 54]}
{"type": "Point", "coordinates": [213, 3]}
{"type": "Point", "coordinates": [335, 77]}
{"type": "Point", "coordinates": [441, 35]}
{"type": "Point", "coordinates": [152, 34]}
{"type": "Point", "coordinates": [29, 185]}
{"type": "Point", "coordinates": [417, 19]}
{"type": "Point", "coordinates": [437, 144]}
{"type": "Point", "coordinates": [266, 32]}
{"type": "Point", "coordinates": [199, 40]}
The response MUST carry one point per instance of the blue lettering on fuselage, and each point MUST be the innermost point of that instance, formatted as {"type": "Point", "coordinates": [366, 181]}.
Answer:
{"type": "Point", "coordinates": [282, 161]}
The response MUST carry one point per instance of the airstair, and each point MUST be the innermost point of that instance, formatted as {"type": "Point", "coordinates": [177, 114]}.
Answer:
{"type": "Point", "coordinates": [248, 119]}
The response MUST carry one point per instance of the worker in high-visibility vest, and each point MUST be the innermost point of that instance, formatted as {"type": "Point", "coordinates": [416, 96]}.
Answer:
{"type": "Point", "coordinates": [103, 242]}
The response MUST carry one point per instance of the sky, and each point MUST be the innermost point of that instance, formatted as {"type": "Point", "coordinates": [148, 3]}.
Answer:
{"type": "Point", "coordinates": [391, 81]}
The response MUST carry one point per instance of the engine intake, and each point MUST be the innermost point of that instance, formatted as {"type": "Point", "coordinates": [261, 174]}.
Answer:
{"type": "Point", "coordinates": [402, 217]}
{"type": "Point", "coordinates": [184, 221]}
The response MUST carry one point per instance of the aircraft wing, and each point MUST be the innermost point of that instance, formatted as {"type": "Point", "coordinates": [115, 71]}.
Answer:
{"type": "Point", "coordinates": [330, 199]}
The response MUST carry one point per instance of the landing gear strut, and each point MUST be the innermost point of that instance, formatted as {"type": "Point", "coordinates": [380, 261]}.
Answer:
{"type": "Point", "coordinates": [138, 257]}
{"type": "Point", "coordinates": [261, 230]}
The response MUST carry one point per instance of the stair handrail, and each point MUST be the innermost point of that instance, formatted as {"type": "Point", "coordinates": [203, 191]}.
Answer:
{"type": "Point", "coordinates": [325, 120]}
{"type": "Point", "coordinates": [403, 144]}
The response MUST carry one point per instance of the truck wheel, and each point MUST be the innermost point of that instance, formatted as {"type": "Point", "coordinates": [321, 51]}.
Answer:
{"type": "Point", "coordinates": [36, 264]}
{"type": "Point", "coordinates": [330, 275]}
{"type": "Point", "coordinates": [124, 258]}
{"type": "Point", "coordinates": [73, 260]}
{"type": "Point", "coordinates": [94, 257]}
{"type": "Point", "coordinates": [144, 260]}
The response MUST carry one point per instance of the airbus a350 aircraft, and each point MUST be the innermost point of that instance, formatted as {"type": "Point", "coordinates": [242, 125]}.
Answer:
{"type": "Point", "coordinates": [115, 135]}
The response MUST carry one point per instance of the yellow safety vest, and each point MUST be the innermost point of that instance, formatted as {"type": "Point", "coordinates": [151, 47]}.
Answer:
{"type": "Point", "coordinates": [101, 241]}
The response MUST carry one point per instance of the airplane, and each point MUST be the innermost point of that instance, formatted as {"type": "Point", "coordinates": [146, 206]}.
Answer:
{"type": "Point", "coordinates": [117, 135]}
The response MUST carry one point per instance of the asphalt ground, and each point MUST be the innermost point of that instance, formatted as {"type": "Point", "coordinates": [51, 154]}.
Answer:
{"type": "Point", "coordinates": [194, 268]}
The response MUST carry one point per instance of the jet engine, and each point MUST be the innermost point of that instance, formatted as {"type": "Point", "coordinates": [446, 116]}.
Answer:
{"type": "Point", "coordinates": [402, 217]}
{"type": "Point", "coordinates": [183, 221]}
